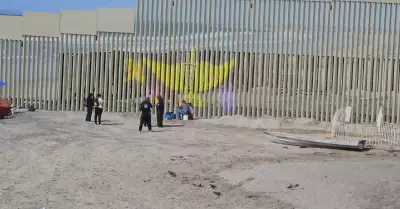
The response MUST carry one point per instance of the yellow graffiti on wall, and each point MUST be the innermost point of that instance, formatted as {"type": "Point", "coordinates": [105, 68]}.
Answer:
{"type": "Point", "coordinates": [200, 76]}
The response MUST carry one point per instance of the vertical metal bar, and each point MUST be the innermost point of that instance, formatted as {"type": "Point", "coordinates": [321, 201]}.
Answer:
{"type": "Point", "coordinates": [163, 49]}
{"type": "Point", "coordinates": [362, 70]}
{"type": "Point", "coordinates": [376, 40]}
{"type": "Point", "coordinates": [146, 49]}
{"type": "Point", "coordinates": [136, 60]}
{"type": "Point", "coordinates": [270, 55]}
{"type": "Point", "coordinates": [294, 54]}
{"type": "Point", "coordinates": [37, 71]}
{"type": "Point", "coordinates": [18, 73]}
{"type": "Point", "coordinates": [341, 70]}
{"type": "Point", "coordinates": [150, 56]}
{"type": "Point", "coordinates": [183, 58]}
{"type": "Point", "coordinates": [45, 69]}
{"type": "Point", "coordinates": [22, 72]}
{"type": "Point", "coordinates": [273, 60]}
{"type": "Point", "coordinates": [28, 70]}
{"type": "Point", "coordinates": [314, 49]}
{"type": "Point", "coordinates": [182, 54]}
{"type": "Point", "coordinates": [241, 55]}
{"type": "Point", "coordinates": [396, 102]}
{"type": "Point", "coordinates": [355, 63]}
{"type": "Point", "coordinates": [156, 78]}
{"type": "Point", "coordinates": [86, 55]}
{"type": "Point", "coordinates": [176, 56]}
{"type": "Point", "coordinates": [330, 58]}
{"type": "Point", "coordinates": [263, 59]}
{"type": "Point", "coordinates": [350, 95]}
{"type": "Point", "coordinates": [287, 69]}
{"type": "Point", "coordinates": [8, 66]}
{"type": "Point", "coordinates": [346, 76]}
{"type": "Point", "coordinates": [236, 54]}
{"type": "Point", "coordinates": [388, 68]}
{"type": "Point", "coordinates": [369, 57]}
{"type": "Point", "coordinates": [202, 86]}
{"type": "Point", "coordinates": [63, 71]}
{"type": "Point", "coordinates": [167, 48]}
{"type": "Point", "coordinates": [211, 104]}
{"type": "Point", "coordinates": [303, 60]}
{"type": "Point", "coordinates": [13, 72]}
{"type": "Point", "coordinates": [122, 77]}
{"type": "Point", "coordinates": [96, 84]}
{"type": "Point", "coordinates": [324, 60]}
{"type": "Point", "coordinates": [31, 65]}
{"type": "Point", "coordinates": [173, 70]}
{"type": "Point", "coordinates": [129, 74]}
{"type": "Point", "coordinates": [79, 71]}
{"type": "Point", "coordinates": [300, 31]}
{"type": "Point", "coordinates": [74, 71]}
{"type": "Point", "coordinates": [207, 23]}
{"type": "Point", "coordinates": [319, 113]}
{"type": "Point", "coordinates": [7, 59]}
{"type": "Point", "coordinates": [106, 70]}
{"type": "Point", "coordinates": [306, 73]}
{"type": "Point", "coordinates": [40, 72]}
{"type": "Point", "coordinates": [110, 72]}
{"type": "Point", "coordinates": [393, 69]}
{"type": "Point", "coordinates": [196, 43]}
{"type": "Point", "coordinates": [168, 69]}
{"type": "Point", "coordinates": [382, 69]}
{"type": "Point", "coordinates": [115, 50]}
{"type": "Point", "coordinates": [69, 71]}
{"type": "Point", "coordinates": [277, 82]}
{"type": "Point", "coordinates": [101, 72]}
{"type": "Point", "coordinates": [281, 68]}
{"type": "Point", "coordinates": [259, 55]}
{"type": "Point", "coordinates": [51, 74]}
{"type": "Point", "coordinates": [83, 71]}
{"type": "Point", "coordinates": [120, 72]}
{"type": "Point", "coordinates": [218, 62]}
{"type": "Point", "coordinates": [335, 53]}
{"type": "Point", "coordinates": [251, 87]}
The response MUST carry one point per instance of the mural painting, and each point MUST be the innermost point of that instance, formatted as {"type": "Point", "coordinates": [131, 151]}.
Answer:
{"type": "Point", "coordinates": [187, 80]}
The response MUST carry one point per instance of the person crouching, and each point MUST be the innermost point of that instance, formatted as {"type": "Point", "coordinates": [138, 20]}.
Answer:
{"type": "Point", "coordinates": [145, 117]}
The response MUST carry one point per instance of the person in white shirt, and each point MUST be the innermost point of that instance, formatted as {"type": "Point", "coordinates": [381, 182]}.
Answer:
{"type": "Point", "coordinates": [98, 109]}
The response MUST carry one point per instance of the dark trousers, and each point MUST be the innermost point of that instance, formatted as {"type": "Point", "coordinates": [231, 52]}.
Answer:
{"type": "Point", "coordinates": [89, 114]}
{"type": "Point", "coordinates": [160, 116]}
{"type": "Point", "coordinates": [145, 119]}
{"type": "Point", "coordinates": [97, 114]}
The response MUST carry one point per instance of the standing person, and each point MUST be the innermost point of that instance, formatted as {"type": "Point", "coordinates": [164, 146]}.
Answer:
{"type": "Point", "coordinates": [98, 110]}
{"type": "Point", "coordinates": [160, 111]}
{"type": "Point", "coordinates": [145, 117]}
{"type": "Point", "coordinates": [89, 107]}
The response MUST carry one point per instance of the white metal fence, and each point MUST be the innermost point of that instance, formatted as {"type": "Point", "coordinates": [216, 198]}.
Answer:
{"type": "Point", "coordinates": [255, 58]}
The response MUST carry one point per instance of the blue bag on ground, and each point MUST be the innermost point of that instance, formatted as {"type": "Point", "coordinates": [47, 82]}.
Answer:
{"type": "Point", "coordinates": [169, 116]}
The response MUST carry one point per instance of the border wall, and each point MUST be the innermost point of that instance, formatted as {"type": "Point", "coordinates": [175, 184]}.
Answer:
{"type": "Point", "coordinates": [255, 58]}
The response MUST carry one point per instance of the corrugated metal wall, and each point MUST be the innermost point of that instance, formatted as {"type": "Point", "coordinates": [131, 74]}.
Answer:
{"type": "Point", "coordinates": [254, 58]}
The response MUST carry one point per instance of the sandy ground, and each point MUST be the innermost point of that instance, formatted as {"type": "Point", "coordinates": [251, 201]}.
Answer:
{"type": "Point", "coordinates": [56, 160]}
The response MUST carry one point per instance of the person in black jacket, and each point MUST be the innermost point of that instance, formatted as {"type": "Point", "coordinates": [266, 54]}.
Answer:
{"type": "Point", "coordinates": [89, 107]}
{"type": "Point", "coordinates": [160, 111]}
{"type": "Point", "coordinates": [145, 117]}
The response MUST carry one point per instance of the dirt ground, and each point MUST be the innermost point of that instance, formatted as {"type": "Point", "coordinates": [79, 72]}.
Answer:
{"type": "Point", "coordinates": [57, 161]}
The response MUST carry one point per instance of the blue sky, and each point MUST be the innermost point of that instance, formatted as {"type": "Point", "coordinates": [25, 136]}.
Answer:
{"type": "Point", "coordinates": [57, 5]}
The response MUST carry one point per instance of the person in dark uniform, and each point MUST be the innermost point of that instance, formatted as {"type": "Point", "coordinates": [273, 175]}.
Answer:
{"type": "Point", "coordinates": [160, 111]}
{"type": "Point", "coordinates": [145, 117]}
{"type": "Point", "coordinates": [89, 107]}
